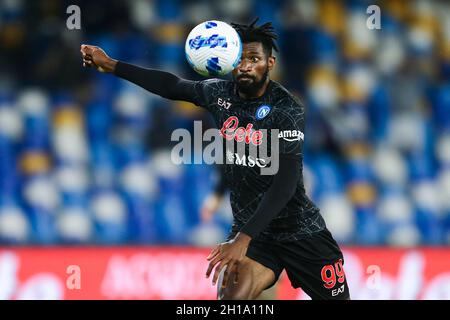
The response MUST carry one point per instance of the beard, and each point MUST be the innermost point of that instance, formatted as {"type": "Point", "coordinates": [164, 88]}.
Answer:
{"type": "Point", "coordinates": [250, 88]}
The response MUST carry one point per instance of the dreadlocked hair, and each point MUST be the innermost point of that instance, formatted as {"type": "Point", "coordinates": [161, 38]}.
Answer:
{"type": "Point", "coordinates": [264, 34]}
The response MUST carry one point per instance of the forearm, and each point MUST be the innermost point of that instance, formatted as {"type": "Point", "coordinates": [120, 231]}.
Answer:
{"type": "Point", "coordinates": [164, 84]}
{"type": "Point", "coordinates": [275, 199]}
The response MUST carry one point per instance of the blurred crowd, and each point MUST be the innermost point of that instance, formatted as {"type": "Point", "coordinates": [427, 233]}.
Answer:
{"type": "Point", "coordinates": [85, 157]}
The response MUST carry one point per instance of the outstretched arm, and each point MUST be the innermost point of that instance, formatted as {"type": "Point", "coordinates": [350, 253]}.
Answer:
{"type": "Point", "coordinates": [164, 84]}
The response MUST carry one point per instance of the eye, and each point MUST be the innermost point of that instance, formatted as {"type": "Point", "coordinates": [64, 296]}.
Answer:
{"type": "Point", "coordinates": [254, 59]}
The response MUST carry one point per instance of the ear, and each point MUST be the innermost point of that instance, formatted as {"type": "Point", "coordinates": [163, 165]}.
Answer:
{"type": "Point", "coordinates": [271, 62]}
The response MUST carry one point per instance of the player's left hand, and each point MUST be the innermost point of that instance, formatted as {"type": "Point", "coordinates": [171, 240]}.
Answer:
{"type": "Point", "coordinates": [228, 254]}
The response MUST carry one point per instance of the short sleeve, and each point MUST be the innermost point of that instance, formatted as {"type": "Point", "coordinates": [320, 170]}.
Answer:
{"type": "Point", "coordinates": [291, 120]}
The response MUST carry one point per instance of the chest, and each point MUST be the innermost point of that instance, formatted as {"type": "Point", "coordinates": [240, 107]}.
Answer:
{"type": "Point", "coordinates": [243, 121]}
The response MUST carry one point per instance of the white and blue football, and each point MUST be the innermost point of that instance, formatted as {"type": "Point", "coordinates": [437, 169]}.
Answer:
{"type": "Point", "coordinates": [213, 48]}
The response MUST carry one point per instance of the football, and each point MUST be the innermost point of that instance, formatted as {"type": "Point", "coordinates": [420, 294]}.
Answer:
{"type": "Point", "coordinates": [213, 48]}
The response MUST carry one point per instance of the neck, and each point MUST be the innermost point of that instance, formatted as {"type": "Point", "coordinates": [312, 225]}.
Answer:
{"type": "Point", "coordinates": [256, 94]}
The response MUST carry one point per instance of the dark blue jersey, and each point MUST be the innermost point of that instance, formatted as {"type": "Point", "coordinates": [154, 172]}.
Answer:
{"type": "Point", "coordinates": [276, 109]}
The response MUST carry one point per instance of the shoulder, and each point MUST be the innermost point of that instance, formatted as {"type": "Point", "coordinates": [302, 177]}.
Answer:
{"type": "Point", "coordinates": [208, 89]}
{"type": "Point", "coordinates": [214, 83]}
{"type": "Point", "coordinates": [286, 102]}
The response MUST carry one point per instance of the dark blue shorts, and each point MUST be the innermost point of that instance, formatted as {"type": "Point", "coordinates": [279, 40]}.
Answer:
{"type": "Point", "coordinates": [314, 264]}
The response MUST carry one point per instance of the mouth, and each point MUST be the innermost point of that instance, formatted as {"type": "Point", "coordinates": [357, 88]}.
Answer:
{"type": "Point", "coordinates": [245, 78]}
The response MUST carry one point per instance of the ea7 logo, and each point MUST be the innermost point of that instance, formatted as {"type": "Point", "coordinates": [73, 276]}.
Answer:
{"type": "Point", "coordinates": [291, 135]}
{"type": "Point", "coordinates": [224, 104]}
{"type": "Point", "coordinates": [337, 291]}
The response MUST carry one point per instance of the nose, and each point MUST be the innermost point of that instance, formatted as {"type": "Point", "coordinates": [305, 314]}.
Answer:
{"type": "Point", "coordinates": [244, 66]}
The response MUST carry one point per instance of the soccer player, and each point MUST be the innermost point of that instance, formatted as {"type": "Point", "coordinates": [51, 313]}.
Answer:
{"type": "Point", "coordinates": [276, 226]}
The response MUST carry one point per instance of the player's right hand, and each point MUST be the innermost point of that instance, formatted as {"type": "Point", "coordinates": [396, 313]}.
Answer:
{"type": "Point", "coordinates": [97, 58]}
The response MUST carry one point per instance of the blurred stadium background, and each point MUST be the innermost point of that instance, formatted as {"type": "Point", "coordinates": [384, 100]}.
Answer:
{"type": "Point", "coordinates": [85, 157]}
